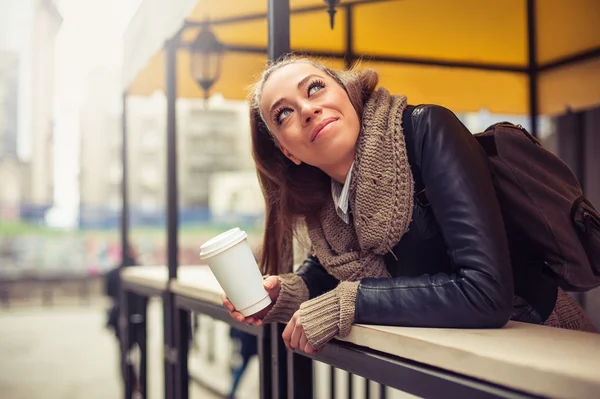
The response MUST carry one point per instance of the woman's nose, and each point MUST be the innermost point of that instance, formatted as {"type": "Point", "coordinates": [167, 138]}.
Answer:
{"type": "Point", "coordinates": [309, 112]}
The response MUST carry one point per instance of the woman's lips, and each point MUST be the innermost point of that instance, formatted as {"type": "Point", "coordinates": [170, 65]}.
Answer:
{"type": "Point", "coordinates": [319, 128]}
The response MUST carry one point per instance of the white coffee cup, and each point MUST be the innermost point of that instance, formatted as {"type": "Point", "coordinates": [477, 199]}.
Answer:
{"type": "Point", "coordinates": [231, 260]}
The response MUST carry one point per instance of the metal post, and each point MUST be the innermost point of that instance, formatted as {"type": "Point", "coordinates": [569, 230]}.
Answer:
{"type": "Point", "coordinates": [350, 386]}
{"type": "Point", "coordinates": [182, 340]}
{"type": "Point", "coordinates": [264, 358]}
{"type": "Point", "coordinates": [382, 392]}
{"type": "Point", "coordinates": [168, 348]}
{"type": "Point", "coordinates": [172, 220]}
{"type": "Point", "coordinates": [533, 70]}
{"type": "Point", "coordinates": [278, 361]}
{"type": "Point", "coordinates": [300, 376]}
{"type": "Point", "coordinates": [349, 56]}
{"type": "Point", "coordinates": [278, 19]}
{"type": "Point", "coordinates": [125, 206]}
{"type": "Point", "coordinates": [124, 316]}
{"type": "Point", "coordinates": [332, 382]}
{"type": "Point", "coordinates": [142, 341]}
{"type": "Point", "coordinates": [125, 261]}
{"type": "Point", "coordinates": [278, 22]}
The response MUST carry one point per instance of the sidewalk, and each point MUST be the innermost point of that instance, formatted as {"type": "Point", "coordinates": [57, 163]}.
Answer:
{"type": "Point", "coordinates": [66, 353]}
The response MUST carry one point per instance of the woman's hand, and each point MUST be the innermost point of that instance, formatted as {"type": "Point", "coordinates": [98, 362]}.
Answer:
{"type": "Point", "coordinates": [294, 336]}
{"type": "Point", "coordinates": [272, 286]}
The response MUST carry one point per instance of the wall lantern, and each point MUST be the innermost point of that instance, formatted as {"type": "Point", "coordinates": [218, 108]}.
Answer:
{"type": "Point", "coordinates": [206, 53]}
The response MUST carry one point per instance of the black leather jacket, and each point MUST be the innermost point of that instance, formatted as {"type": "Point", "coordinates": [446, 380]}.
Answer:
{"type": "Point", "coordinates": [452, 268]}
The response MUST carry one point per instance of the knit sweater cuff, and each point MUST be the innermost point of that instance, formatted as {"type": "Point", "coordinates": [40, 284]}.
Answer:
{"type": "Point", "coordinates": [292, 293]}
{"type": "Point", "coordinates": [330, 314]}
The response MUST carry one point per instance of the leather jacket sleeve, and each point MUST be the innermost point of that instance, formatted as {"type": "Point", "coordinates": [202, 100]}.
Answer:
{"type": "Point", "coordinates": [478, 292]}
{"type": "Point", "coordinates": [316, 278]}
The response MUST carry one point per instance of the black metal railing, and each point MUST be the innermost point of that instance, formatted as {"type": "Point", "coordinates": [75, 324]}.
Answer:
{"type": "Point", "coordinates": [282, 373]}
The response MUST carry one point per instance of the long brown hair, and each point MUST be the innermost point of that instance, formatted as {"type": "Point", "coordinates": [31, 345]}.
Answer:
{"type": "Point", "coordinates": [293, 192]}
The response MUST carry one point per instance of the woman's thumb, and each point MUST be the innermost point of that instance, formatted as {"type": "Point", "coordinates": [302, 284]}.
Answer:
{"type": "Point", "coordinates": [271, 282]}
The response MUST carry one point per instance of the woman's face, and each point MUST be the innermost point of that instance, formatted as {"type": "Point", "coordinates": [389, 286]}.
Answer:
{"type": "Point", "coordinates": [311, 117]}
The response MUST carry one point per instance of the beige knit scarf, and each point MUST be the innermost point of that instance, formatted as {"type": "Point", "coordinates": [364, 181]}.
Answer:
{"type": "Point", "coordinates": [381, 197]}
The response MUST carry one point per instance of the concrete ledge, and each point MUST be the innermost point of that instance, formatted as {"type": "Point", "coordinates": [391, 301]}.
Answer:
{"type": "Point", "coordinates": [530, 358]}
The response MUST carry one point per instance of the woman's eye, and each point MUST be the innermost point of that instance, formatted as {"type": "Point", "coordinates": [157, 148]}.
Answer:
{"type": "Point", "coordinates": [315, 87]}
{"type": "Point", "coordinates": [281, 115]}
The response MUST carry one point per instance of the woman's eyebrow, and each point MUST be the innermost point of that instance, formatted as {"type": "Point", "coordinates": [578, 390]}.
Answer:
{"type": "Point", "coordinates": [306, 79]}
{"type": "Point", "coordinates": [300, 84]}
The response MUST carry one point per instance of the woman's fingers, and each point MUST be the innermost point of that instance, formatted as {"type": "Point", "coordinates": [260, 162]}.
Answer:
{"type": "Point", "coordinates": [272, 286]}
{"type": "Point", "coordinates": [230, 308]}
{"type": "Point", "coordinates": [271, 282]}
{"type": "Point", "coordinates": [287, 333]}
{"type": "Point", "coordinates": [296, 335]}
{"type": "Point", "coordinates": [303, 342]}
{"type": "Point", "coordinates": [308, 349]}
{"type": "Point", "coordinates": [237, 316]}
{"type": "Point", "coordinates": [251, 320]}
{"type": "Point", "coordinates": [227, 303]}
{"type": "Point", "coordinates": [234, 313]}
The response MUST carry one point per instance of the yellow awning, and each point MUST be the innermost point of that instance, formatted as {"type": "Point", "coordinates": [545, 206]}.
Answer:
{"type": "Point", "coordinates": [450, 36]}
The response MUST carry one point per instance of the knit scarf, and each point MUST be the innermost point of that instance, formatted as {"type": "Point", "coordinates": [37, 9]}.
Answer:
{"type": "Point", "coordinates": [381, 197]}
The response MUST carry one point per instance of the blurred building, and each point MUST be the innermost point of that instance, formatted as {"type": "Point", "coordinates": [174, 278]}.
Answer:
{"type": "Point", "coordinates": [12, 170]}
{"type": "Point", "coordinates": [28, 30]}
{"type": "Point", "coordinates": [100, 168]}
{"type": "Point", "coordinates": [211, 140]}
{"type": "Point", "coordinates": [215, 139]}
{"type": "Point", "coordinates": [9, 88]}
{"type": "Point", "coordinates": [236, 197]}
{"type": "Point", "coordinates": [14, 186]}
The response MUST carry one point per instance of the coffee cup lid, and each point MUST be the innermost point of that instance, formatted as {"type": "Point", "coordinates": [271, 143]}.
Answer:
{"type": "Point", "coordinates": [222, 242]}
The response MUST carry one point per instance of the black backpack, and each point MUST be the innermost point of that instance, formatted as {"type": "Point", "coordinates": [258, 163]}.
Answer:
{"type": "Point", "coordinates": [543, 206]}
{"type": "Point", "coordinates": [545, 213]}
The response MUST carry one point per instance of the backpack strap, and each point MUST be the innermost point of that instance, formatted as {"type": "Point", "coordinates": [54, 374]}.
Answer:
{"type": "Point", "coordinates": [420, 194]}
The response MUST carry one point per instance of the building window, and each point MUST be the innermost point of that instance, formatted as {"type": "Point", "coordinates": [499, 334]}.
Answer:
{"type": "Point", "coordinates": [149, 176]}
{"type": "Point", "coordinates": [150, 140]}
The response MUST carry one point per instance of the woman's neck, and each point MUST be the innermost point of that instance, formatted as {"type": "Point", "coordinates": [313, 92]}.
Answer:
{"type": "Point", "coordinates": [340, 170]}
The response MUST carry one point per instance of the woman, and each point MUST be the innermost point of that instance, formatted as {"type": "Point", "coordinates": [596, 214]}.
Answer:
{"type": "Point", "coordinates": [334, 152]}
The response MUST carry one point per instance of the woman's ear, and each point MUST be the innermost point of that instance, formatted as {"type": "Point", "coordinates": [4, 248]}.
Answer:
{"type": "Point", "coordinates": [289, 155]}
